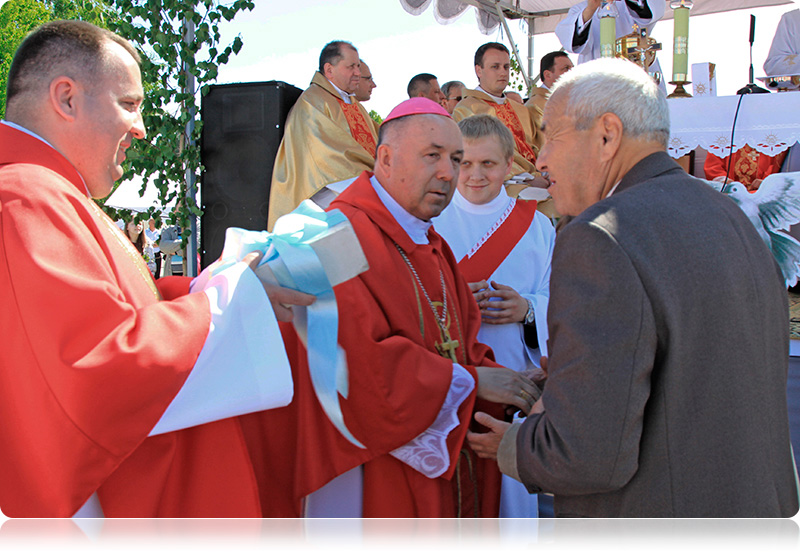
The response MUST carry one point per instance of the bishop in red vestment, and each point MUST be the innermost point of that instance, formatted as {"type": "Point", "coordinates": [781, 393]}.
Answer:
{"type": "Point", "coordinates": [408, 327]}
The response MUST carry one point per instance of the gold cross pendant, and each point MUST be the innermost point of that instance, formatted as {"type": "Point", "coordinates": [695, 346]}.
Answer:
{"type": "Point", "coordinates": [447, 348]}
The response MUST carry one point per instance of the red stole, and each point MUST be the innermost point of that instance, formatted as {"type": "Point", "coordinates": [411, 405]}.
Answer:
{"type": "Point", "coordinates": [508, 116]}
{"type": "Point", "coordinates": [498, 245]}
{"type": "Point", "coordinates": [358, 127]}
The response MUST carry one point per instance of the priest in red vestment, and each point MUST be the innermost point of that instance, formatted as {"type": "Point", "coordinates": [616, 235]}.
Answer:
{"type": "Point", "coordinates": [408, 328]}
{"type": "Point", "coordinates": [95, 353]}
{"type": "Point", "coordinates": [748, 166]}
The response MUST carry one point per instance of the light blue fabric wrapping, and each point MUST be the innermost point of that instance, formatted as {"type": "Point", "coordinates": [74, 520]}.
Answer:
{"type": "Point", "coordinates": [296, 266]}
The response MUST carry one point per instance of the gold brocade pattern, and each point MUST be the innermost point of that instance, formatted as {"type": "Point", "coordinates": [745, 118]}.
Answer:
{"type": "Point", "coordinates": [746, 165]}
{"type": "Point", "coordinates": [506, 114]}
{"type": "Point", "coordinates": [358, 127]}
{"type": "Point", "coordinates": [476, 102]}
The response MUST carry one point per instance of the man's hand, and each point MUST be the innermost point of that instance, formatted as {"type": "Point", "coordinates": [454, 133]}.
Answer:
{"type": "Point", "coordinates": [591, 7]}
{"type": "Point", "coordinates": [506, 386]}
{"type": "Point", "coordinates": [538, 374]}
{"type": "Point", "coordinates": [485, 445]}
{"type": "Point", "coordinates": [499, 304]}
{"type": "Point", "coordinates": [281, 298]}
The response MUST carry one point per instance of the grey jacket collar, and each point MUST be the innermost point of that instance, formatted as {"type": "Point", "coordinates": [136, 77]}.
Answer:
{"type": "Point", "coordinates": [647, 168]}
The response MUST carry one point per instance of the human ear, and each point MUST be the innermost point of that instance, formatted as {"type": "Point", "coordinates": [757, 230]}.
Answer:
{"type": "Point", "coordinates": [383, 158]}
{"type": "Point", "coordinates": [611, 130]}
{"type": "Point", "coordinates": [63, 97]}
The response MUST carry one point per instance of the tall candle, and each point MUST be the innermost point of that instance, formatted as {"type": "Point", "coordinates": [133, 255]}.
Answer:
{"type": "Point", "coordinates": [680, 54]}
{"type": "Point", "coordinates": [608, 36]}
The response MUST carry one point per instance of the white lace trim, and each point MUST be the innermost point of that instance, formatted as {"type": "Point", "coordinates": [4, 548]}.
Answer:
{"type": "Point", "coordinates": [493, 228]}
{"type": "Point", "coordinates": [769, 123]}
{"type": "Point", "coordinates": [427, 453]}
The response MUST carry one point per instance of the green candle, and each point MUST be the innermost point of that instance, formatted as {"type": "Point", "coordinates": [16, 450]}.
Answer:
{"type": "Point", "coordinates": [680, 54]}
{"type": "Point", "coordinates": [608, 36]}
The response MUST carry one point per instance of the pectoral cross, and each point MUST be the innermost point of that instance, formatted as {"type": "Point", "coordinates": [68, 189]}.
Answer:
{"type": "Point", "coordinates": [447, 348]}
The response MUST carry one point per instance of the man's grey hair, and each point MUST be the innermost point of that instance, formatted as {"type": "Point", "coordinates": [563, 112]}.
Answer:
{"type": "Point", "coordinates": [484, 125]}
{"type": "Point", "coordinates": [446, 88]}
{"type": "Point", "coordinates": [617, 86]}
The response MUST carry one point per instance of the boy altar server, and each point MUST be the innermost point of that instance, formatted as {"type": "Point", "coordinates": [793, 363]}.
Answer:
{"type": "Point", "coordinates": [504, 246]}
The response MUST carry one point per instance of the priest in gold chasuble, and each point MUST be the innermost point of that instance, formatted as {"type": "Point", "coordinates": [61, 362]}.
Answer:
{"type": "Point", "coordinates": [329, 140]}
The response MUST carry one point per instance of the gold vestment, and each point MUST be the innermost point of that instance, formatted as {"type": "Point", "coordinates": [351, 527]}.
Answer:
{"type": "Point", "coordinates": [317, 149]}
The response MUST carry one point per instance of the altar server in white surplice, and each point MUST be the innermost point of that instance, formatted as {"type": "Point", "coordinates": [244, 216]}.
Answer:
{"type": "Point", "coordinates": [504, 247]}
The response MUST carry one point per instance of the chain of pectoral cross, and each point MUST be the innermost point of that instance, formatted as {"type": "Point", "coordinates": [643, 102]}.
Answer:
{"type": "Point", "coordinates": [446, 348]}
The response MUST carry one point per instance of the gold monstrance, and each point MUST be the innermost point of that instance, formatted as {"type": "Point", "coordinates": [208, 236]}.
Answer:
{"type": "Point", "coordinates": [641, 49]}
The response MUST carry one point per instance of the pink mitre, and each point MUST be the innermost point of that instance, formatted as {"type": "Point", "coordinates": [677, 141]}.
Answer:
{"type": "Point", "coordinates": [416, 106]}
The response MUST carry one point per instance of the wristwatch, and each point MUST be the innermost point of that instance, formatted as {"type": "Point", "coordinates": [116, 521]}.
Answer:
{"type": "Point", "coordinates": [529, 316]}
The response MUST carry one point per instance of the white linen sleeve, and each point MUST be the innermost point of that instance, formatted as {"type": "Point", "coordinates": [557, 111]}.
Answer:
{"type": "Point", "coordinates": [242, 367]}
{"type": "Point", "coordinates": [427, 453]}
{"type": "Point", "coordinates": [782, 57]}
{"type": "Point", "coordinates": [566, 28]}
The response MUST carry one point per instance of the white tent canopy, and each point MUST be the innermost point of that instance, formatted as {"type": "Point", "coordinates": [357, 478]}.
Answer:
{"type": "Point", "coordinates": [542, 16]}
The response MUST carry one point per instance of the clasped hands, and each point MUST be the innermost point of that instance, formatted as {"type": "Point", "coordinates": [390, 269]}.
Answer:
{"type": "Point", "coordinates": [499, 303]}
{"type": "Point", "coordinates": [485, 445]}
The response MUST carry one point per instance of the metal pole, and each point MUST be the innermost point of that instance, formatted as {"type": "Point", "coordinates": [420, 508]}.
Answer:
{"type": "Point", "coordinates": [530, 21]}
{"type": "Point", "coordinates": [513, 46]}
{"type": "Point", "coordinates": [191, 247]}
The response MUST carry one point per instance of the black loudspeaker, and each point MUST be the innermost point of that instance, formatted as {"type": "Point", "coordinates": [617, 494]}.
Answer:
{"type": "Point", "coordinates": [243, 125]}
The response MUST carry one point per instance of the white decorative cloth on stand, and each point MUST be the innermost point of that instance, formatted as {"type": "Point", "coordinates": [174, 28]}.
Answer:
{"type": "Point", "coordinates": [769, 123]}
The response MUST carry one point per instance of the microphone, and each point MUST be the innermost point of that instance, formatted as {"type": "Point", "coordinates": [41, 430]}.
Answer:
{"type": "Point", "coordinates": [751, 87]}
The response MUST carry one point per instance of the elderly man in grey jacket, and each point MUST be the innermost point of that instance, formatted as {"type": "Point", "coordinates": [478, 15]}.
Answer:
{"type": "Point", "coordinates": [666, 394]}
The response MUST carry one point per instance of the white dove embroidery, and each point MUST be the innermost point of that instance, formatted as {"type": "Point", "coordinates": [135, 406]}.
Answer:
{"type": "Point", "coordinates": [772, 209]}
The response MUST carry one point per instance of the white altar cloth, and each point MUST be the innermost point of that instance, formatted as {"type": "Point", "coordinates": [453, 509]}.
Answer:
{"type": "Point", "coordinates": [770, 123]}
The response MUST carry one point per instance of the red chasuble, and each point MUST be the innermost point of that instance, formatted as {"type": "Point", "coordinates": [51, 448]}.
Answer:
{"type": "Point", "coordinates": [748, 165]}
{"type": "Point", "coordinates": [397, 383]}
{"type": "Point", "coordinates": [91, 358]}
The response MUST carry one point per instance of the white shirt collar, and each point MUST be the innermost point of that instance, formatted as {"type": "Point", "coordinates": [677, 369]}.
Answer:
{"type": "Point", "coordinates": [498, 99]}
{"type": "Point", "coordinates": [498, 203]}
{"type": "Point", "coordinates": [414, 226]}
{"type": "Point", "coordinates": [344, 94]}
{"type": "Point", "coordinates": [34, 135]}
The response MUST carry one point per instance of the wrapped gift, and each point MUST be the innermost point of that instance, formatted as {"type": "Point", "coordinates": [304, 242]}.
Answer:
{"type": "Point", "coordinates": [334, 243]}
{"type": "Point", "coordinates": [704, 79]}
{"type": "Point", "coordinates": [312, 251]}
